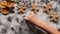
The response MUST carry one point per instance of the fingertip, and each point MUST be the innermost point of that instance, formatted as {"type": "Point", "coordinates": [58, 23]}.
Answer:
{"type": "Point", "coordinates": [31, 13]}
{"type": "Point", "coordinates": [25, 17]}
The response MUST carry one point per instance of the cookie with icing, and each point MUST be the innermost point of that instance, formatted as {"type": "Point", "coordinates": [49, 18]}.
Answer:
{"type": "Point", "coordinates": [34, 7]}
{"type": "Point", "coordinates": [53, 17]}
{"type": "Point", "coordinates": [21, 8]}
{"type": "Point", "coordinates": [47, 8]}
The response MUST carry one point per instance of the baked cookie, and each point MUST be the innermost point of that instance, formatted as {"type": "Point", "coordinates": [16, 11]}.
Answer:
{"type": "Point", "coordinates": [47, 8]}
{"type": "Point", "coordinates": [10, 4]}
{"type": "Point", "coordinates": [34, 7]}
{"type": "Point", "coordinates": [21, 8]}
{"type": "Point", "coordinates": [10, 10]}
{"type": "Point", "coordinates": [4, 11]}
{"type": "Point", "coordinates": [3, 4]}
{"type": "Point", "coordinates": [9, 0]}
{"type": "Point", "coordinates": [53, 17]}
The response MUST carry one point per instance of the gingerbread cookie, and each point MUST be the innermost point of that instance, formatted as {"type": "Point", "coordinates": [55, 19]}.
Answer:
{"type": "Point", "coordinates": [53, 17]}
{"type": "Point", "coordinates": [21, 8]}
{"type": "Point", "coordinates": [10, 4]}
{"type": "Point", "coordinates": [4, 11]}
{"type": "Point", "coordinates": [34, 7]}
{"type": "Point", "coordinates": [9, 0]}
{"type": "Point", "coordinates": [47, 8]}
{"type": "Point", "coordinates": [3, 4]}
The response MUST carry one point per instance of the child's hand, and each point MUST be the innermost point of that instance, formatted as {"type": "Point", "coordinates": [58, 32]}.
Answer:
{"type": "Point", "coordinates": [30, 17]}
